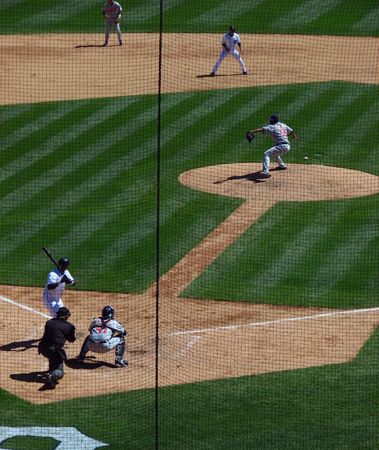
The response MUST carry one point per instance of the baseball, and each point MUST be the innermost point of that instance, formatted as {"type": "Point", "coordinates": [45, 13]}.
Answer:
{"type": "Point", "coordinates": [305, 157]}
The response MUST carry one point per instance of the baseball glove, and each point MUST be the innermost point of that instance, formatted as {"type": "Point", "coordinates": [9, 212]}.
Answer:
{"type": "Point", "coordinates": [250, 136]}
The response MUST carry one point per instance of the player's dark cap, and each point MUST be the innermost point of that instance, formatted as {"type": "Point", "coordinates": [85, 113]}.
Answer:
{"type": "Point", "coordinates": [232, 28]}
{"type": "Point", "coordinates": [64, 262]}
{"type": "Point", "coordinates": [63, 313]}
{"type": "Point", "coordinates": [274, 119]}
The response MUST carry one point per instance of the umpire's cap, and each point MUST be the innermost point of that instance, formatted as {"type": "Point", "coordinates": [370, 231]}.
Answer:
{"type": "Point", "coordinates": [63, 313]}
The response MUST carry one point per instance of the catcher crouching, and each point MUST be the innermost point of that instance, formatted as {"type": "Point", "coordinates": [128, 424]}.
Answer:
{"type": "Point", "coordinates": [105, 334]}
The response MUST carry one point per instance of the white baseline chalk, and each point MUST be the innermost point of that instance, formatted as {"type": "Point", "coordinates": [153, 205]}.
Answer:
{"type": "Point", "coordinates": [275, 322]}
{"type": "Point", "coordinates": [27, 308]}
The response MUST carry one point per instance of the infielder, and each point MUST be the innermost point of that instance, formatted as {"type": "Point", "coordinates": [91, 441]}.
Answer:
{"type": "Point", "coordinates": [112, 14]}
{"type": "Point", "coordinates": [105, 334]}
{"type": "Point", "coordinates": [280, 132]}
{"type": "Point", "coordinates": [55, 285]}
{"type": "Point", "coordinates": [230, 41]}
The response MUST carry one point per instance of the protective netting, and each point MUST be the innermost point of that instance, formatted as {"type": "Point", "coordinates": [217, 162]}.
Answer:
{"type": "Point", "coordinates": [245, 274]}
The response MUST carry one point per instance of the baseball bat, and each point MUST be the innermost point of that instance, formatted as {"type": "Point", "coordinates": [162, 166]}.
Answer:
{"type": "Point", "coordinates": [49, 255]}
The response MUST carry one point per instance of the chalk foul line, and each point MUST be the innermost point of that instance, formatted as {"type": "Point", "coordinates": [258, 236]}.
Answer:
{"type": "Point", "coordinates": [20, 305]}
{"type": "Point", "coordinates": [275, 322]}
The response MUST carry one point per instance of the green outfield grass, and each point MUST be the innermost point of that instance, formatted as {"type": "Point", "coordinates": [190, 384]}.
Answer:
{"type": "Point", "coordinates": [80, 177]}
{"type": "Point", "coordinates": [336, 17]}
{"type": "Point", "coordinates": [332, 407]}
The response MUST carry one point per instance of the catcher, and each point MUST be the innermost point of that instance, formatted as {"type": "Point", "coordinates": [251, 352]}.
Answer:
{"type": "Point", "coordinates": [105, 334]}
{"type": "Point", "coordinates": [279, 132]}
{"type": "Point", "coordinates": [112, 14]}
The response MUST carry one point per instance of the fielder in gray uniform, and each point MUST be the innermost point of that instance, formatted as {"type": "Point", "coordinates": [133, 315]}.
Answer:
{"type": "Point", "coordinates": [112, 14]}
{"type": "Point", "coordinates": [280, 132]}
{"type": "Point", "coordinates": [105, 334]}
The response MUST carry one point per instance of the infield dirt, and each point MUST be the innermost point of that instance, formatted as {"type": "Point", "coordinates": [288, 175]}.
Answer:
{"type": "Point", "coordinates": [199, 339]}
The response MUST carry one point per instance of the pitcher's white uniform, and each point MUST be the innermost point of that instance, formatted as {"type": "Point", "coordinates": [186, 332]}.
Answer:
{"type": "Point", "coordinates": [52, 298]}
{"type": "Point", "coordinates": [112, 13]}
{"type": "Point", "coordinates": [229, 43]}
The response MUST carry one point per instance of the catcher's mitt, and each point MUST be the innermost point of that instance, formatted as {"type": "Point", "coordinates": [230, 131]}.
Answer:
{"type": "Point", "coordinates": [250, 136]}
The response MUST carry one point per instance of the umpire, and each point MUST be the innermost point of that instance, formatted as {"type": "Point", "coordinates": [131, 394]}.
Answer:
{"type": "Point", "coordinates": [57, 331]}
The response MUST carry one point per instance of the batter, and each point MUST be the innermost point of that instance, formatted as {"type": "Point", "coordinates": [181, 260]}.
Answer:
{"type": "Point", "coordinates": [55, 286]}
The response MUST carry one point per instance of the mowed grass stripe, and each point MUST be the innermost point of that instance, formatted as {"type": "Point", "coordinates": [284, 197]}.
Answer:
{"type": "Point", "coordinates": [300, 15]}
{"type": "Point", "coordinates": [40, 123]}
{"type": "Point", "coordinates": [337, 17]}
{"type": "Point", "coordinates": [369, 21]}
{"type": "Point", "coordinates": [82, 192]}
{"type": "Point", "coordinates": [197, 130]}
{"type": "Point", "coordinates": [346, 238]}
{"type": "Point", "coordinates": [294, 248]}
{"type": "Point", "coordinates": [9, 114]}
{"type": "Point", "coordinates": [72, 162]}
{"type": "Point", "coordinates": [63, 137]}
{"type": "Point", "coordinates": [53, 14]}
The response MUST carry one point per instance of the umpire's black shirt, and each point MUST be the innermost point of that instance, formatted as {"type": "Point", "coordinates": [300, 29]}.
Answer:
{"type": "Point", "coordinates": [57, 331]}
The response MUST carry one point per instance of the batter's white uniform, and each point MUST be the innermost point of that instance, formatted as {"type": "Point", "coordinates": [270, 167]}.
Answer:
{"type": "Point", "coordinates": [112, 13]}
{"type": "Point", "coordinates": [52, 298]}
{"type": "Point", "coordinates": [229, 48]}
{"type": "Point", "coordinates": [279, 132]}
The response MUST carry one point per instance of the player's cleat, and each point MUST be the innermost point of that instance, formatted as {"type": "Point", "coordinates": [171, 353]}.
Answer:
{"type": "Point", "coordinates": [51, 382]}
{"type": "Point", "coordinates": [244, 73]}
{"type": "Point", "coordinates": [282, 167]}
{"type": "Point", "coordinates": [120, 43]}
{"type": "Point", "coordinates": [105, 44]}
{"type": "Point", "coordinates": [212, 74]}
{"type": "Point", "coordinates": [121, 363]}
{"type": "Point", "coordinates": [265, 175]}
{"type": "Point", "coordinates": [80, 358]}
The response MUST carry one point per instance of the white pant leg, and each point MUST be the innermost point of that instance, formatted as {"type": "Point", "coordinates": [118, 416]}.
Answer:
{"type": "Point", "coordinates": [274, 152]}
{"type": "Point", "coordinates": [118, 31]}
{"type": "Point", "coordinates": [237, 56]}
{"type": "Point", "coordinates": [52, 305]}
{"type": "Point", "coordinates": [223, 54]}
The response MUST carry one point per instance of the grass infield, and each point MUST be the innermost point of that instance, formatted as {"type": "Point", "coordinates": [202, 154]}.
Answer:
{"type": "Point", "coordinates": [83, 183]}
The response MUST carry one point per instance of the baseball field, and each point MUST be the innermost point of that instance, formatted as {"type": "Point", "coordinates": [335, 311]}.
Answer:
{"type": "Point", "coordinates": [251, 304]}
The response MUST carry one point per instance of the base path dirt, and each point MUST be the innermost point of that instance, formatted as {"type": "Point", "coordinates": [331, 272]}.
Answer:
{"type": "Point", "coordinates": [47, 67]}
{"type": "Point", "coordinates": [198, 339]}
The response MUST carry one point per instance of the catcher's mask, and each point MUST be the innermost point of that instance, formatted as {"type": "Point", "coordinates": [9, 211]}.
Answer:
{"type": "Point", "coordinates": [108, 312]}
{"type": "Point", "coordinates": [274, 119]}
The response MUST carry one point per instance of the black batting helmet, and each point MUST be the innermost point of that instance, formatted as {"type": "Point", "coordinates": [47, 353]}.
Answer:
{"type": "Point", "coordinates": [107, 312]}
{"type": "Point", "coordinates": [64, 262]}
